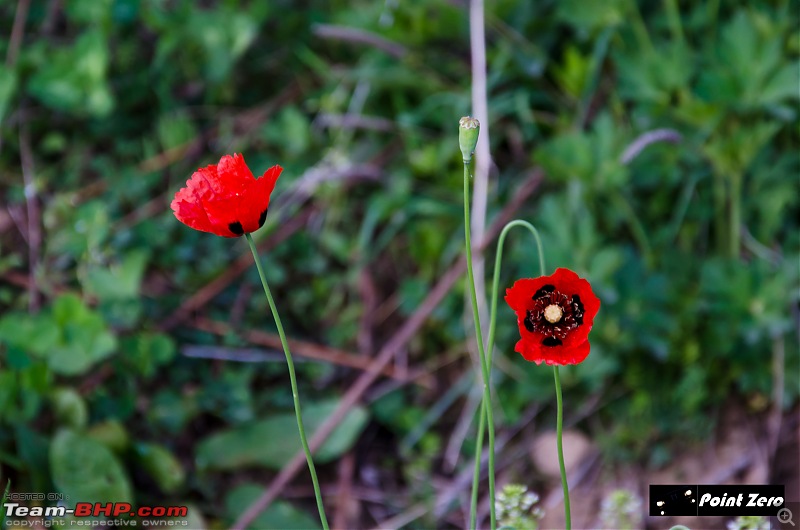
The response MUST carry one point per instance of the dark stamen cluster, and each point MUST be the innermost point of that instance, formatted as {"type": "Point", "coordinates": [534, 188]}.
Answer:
{"type": "Point", "coordinates": [554, 332]}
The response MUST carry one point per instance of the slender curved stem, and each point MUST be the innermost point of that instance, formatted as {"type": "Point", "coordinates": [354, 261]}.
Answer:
{"type": "Point", "coordinates": [292, 380]}
{"type": "Point", "coordinates": [559, 420]}
{"type": "Point", "coordinates": [490, 345]}
{"type": "Point", "coordinates": [498, 260]}
{"type": "Point", "coordinates": [487, 396]}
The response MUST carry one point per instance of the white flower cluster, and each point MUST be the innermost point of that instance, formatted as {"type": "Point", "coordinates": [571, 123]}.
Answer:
{"type": "Point", "coordinates": [751, 522]}
{"type": "Point", "coordinates": [515, 508]}
{"type": "Point", "coordinates": [621, 509]}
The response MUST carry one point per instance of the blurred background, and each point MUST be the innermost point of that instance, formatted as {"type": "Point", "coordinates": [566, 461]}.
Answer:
{"type": "Point", "coordinates": [654, 145]}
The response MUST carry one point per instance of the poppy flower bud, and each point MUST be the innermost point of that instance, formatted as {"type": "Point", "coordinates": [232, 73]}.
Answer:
{"type": "Point", "coordinates": [468, 129]}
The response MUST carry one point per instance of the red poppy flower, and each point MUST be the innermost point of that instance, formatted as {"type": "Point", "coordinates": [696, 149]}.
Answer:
{"type": "Point", "coordinates": [225, 199]}
{"type": "Point", "coordinates": [554, 314]}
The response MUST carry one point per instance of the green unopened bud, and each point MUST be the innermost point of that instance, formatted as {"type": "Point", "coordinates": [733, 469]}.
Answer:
{"type": "Point", "coordinates": [468, 129]}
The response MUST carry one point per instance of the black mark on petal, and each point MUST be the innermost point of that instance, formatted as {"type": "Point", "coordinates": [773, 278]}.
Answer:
{"type": "Point", "coordinates": [529, 322]}
{"type": "Point", "coordinates": [262, 217]}
{"type": "Point", "coordinates": [544, 291]}
{"type": "Point", "coordinates": [552, 341]}
{"type": "Point", "coordinates": [577, 309]}
{"type": "Point", "coordinates": [236, 228]}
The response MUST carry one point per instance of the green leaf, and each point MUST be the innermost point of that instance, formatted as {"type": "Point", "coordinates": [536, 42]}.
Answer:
{"type": "Point", "coordinates": [112, 434]}
{"type": "Point", "coordinates": [782, 85]}
{"type": "Point", "coordinates": [147, 351]}
{"type": "Point", "coordinates": [224, 36]}
{"type": "Point", "coordinates": [654, 76]}
{"type": "Point", "coordinates": [162, 465]}
{"type": "Point", "coordinates": [74, 79]}
{"type": "Point", "coordinates": [76, 231]}
{"type": "Point", "coordinates": [69, 407]}
{"type": "Point", "coordinates": [118, 282]}
{"type": "Point", "coordinates": [587, 15]}
{"type": "Point", "coordinates": [86, 470]}
{"type": "Point", "coordinates": [69, 337]}
{"type": "Point", "coordinates": [91, 12]}
{"type": "Point", "coordinates": [279, 516]}
{"type": "Point", "coordinates": [268, 442]}
{"type": "Point", "coordinates": [84, 338]}
{"type": "Point", "coordinates": [34, 334]}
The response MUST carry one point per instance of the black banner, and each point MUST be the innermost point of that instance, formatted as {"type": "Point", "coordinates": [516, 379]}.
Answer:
{"type": "Point", "coordinates": [712, 500]}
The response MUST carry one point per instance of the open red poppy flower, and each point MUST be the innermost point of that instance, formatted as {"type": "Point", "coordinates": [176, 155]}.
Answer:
{"type": "Point", "coordinates": [555, 315]}
{"type": "Point", "coordinates": [225, 199]}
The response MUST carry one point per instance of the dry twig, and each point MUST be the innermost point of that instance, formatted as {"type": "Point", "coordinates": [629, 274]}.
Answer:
{"type": "Point", "coordinates": [330, 31]}
{"type": "Point", "coordinates": [309, 350]}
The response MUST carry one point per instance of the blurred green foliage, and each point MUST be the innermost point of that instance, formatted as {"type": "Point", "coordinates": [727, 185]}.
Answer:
{"type": "Point", "coordinates": [692, 246]}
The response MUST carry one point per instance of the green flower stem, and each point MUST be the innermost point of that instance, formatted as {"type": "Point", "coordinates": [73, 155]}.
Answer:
{"type": "Point", "coordinates": [492, 325]}
{"type": "Point", "coordinates": [476, 475]}
{"type": "Point", "coordinates": [559, 420]}
{"type": "Point", "coordinates": [292, 380]}
{"type": "Point", "coordinates": [498, 260]}
{"type": "Point", "coordinates": [487, 396]}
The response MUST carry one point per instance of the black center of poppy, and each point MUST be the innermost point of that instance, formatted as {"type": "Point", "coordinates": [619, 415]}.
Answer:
{"type": "Point", "coordinates": [236, 228]}
{"type": "Point", "coordinates": [544, 318]}
{"type": "Point", "coordinates": [262, 217]}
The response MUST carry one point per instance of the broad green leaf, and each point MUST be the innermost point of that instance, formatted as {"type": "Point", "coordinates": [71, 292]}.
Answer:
{"type": "Point", "coordinates": [84, 337]}
{"type": "Point", "coordinates": [120, 281]}
{"type": "Point", "coordinates": [273, 441]}
{"type": "Point", "coordinates": [34, 334]}
{"type": "Point", "coordinates": [279, 516]}
{"type": "Point", "coordinates": [783, 85]}
{"type": "Point", "coordinates": [69, 337]}
{"type": "Point", "coordinates": [86, 470]}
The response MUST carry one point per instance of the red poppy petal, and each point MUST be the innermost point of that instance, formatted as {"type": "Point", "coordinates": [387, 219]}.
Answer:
{"type": "Point", "coordinates": [223, 213]}
{"type": "Point", "coordinates": [572, 355]}
{"type": "Point", "coordinates": [519, 296]}
{"type": "Point", "coordinates": [534, 351]}
{"type": "Point", "coordinates": [225, 198]}
{"type": "Point", "coordinates": [188, 203]}
{"type": "Point", "coordinates": [256, 199]}
{"type": "Point", "coordinates": [234, 175]}
{"type": "Point", "coordinates": [575, 346]}
{"type": "Point", "coordinates": [188, 210]}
